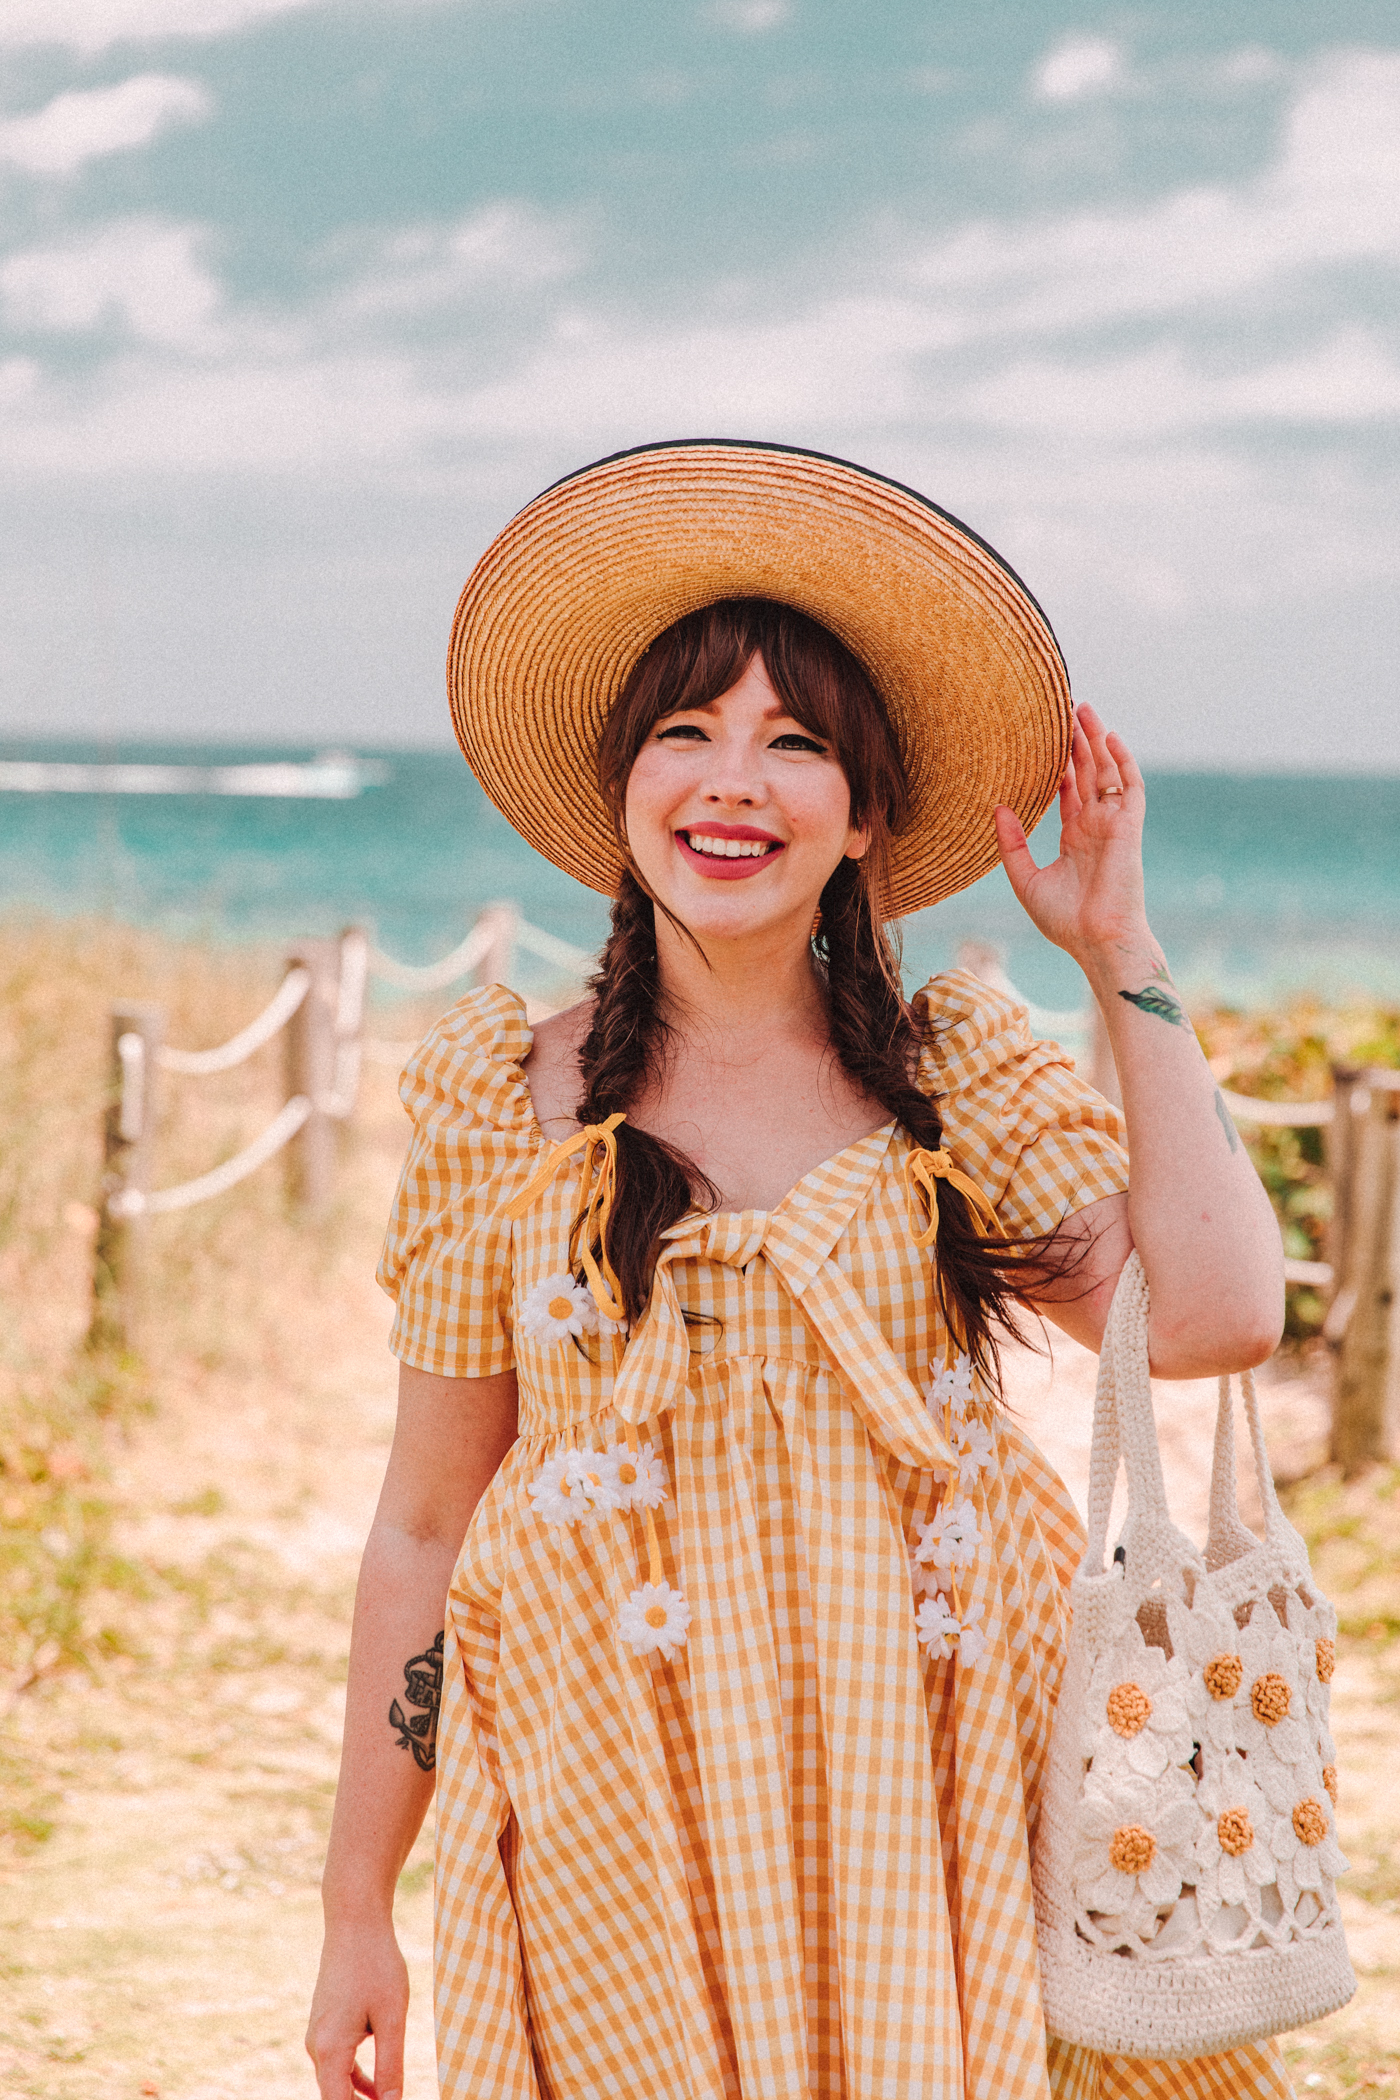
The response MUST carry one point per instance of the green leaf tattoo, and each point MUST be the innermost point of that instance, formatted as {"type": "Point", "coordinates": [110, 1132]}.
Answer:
{"type": "Point", "coordinates": [1226, 1123]}
{"type": "Point", "coordinates": [1165, 1005]}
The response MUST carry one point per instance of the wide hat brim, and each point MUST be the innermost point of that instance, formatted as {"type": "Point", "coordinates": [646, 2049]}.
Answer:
{"type": "Point", "coordinates": [567, 598]}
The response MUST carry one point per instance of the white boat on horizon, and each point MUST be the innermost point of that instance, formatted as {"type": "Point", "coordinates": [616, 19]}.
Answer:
{"type": "Point", "coordinates": [331, 776]}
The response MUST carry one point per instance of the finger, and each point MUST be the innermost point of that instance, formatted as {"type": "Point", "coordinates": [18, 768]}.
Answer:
{"type": "Point", "coordinates": [1085, 772]}
{"type": "Point", "coordinates": [388, 2055]}
{"type": "Point", "coordinates": [335, 2070]}
{"type": "Point", "coordinates": [1129, 772]}
{"type": "Point", "coordinates": [1107, 781]}
{"type": "Point", "coordinates": [1016, 855]}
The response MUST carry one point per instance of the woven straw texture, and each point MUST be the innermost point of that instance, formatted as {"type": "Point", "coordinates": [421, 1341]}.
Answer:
{"type": "Point", "coordinates": [1186, 1863]}
{"type": "Point", "coordinates": [568, 597]}
{"type": "Point", "coordinates": [794, 1859]}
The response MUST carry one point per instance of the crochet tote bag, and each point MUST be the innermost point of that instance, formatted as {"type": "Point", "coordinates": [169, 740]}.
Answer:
{"type": "Point", "coordinates": [1186, 1853]}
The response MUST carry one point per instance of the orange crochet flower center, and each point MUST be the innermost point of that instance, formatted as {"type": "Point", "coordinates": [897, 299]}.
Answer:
{"type": "Point", "coordinates": [1132, 1849]}
{"type": "Point", "coordinates": [1269, 1698]}
{"type": "Point", "coordinates": [1223, 1675]}
{"type": "Point", "coordinates": [1326, 1660]}
{"type": "Point", "coordinates": [1329, 1780]}
{"type": "Point", "coordinates": [1235, 1832]}
{"type": "Point", "coordinates": [1310, 1822]}
{"type": "Point", "coordinates": [627, 1474]}
{"type": "Point", "coordinates": [1128, 1709]}
{"type": "Point", "coordinates": [561, 1308]}
{"type": "Point", "coordinates": [655, 1615]}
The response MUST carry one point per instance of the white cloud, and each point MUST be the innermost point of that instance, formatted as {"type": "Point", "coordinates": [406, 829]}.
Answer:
{"type": "Point", "coordinates": [1350, 378]}
{"type": "Point", "coordinates": [506, 245]}
{"type": "Point", "coordinates": [89, 26]}
{"type": "Point", "coordinates": [141, 276]}
{"type": "Point", "coordinates": [1333, 195]}
{"type": "Point", "coordinates": [748, 17]}
{"type": "Point", "coordinates": [87, 123]}
{"type": "Point", "coordinates": [1078, 67]}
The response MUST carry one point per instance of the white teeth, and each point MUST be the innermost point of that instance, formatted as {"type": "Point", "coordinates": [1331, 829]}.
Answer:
{"type": "Point", "coordinates": [726, 849]}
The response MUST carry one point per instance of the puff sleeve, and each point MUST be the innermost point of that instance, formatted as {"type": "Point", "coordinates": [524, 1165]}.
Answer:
{"type": "Point", "coordinates": [1016, 1116]}
{"type": "Point", "coordinates": [446, 1259]}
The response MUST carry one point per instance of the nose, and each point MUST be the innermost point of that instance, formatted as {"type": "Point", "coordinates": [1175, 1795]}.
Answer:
{"type": "Point", "coordinates": [734, 778]}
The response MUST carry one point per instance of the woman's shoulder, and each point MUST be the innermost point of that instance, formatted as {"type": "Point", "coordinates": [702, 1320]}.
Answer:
{"type": "Point", "coordinates": [966, 1028]}
{"type": "Point", "coordinates": [469, 1068]}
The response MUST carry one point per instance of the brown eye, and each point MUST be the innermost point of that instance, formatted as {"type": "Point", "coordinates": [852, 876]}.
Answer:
{"type": "Point", "coordinates": [689, 730]}
{"type": "Point", "coordinates": [792, 740]}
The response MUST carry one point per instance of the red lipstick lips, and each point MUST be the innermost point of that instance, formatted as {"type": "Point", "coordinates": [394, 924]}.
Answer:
{"type": "Point", "coordinates": [727, 866]}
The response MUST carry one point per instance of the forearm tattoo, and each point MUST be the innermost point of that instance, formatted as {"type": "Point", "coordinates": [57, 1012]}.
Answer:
{"type": "Point", "coordinates": [422, 1687]}
{"type": "Point", "coordinates": [1152, 999]}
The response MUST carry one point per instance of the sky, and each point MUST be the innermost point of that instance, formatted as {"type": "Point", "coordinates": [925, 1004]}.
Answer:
{"type": "Point", "coordinates": [300, 302]}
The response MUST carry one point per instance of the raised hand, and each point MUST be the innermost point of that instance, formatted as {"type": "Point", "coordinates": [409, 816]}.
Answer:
{"type": "Point", "coordinates": [1091, 897]}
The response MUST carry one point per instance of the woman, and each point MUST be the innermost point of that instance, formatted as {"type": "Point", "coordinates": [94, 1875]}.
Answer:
{"type": "Point", "coordinates": [753, 1643]}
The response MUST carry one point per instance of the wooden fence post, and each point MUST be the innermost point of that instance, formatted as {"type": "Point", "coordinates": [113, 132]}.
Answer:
{"type": "Point", "coordinates": [1363, 1322]}
{"type": "Point", "coordinates": [311, 1062]}
{"type": "Point", "coordinates": [128, 1138]}
{"type": "Point", "coordinates": [497, 964]}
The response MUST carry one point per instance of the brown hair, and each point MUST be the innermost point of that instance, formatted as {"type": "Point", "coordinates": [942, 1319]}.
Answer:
{"type": "Point", "coordinates": [824, 688]}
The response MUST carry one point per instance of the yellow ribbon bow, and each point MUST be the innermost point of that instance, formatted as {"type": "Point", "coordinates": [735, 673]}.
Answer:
{"type": "Point", "coordinates": [922, 1173]}
{"type": "Point", "coordinates": [595, 1208]}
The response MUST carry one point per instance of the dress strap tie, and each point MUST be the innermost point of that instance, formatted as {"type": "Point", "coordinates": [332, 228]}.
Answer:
{"type": "Point", "coordinates": [598, 1143]}
{"type": "Point", "coordinates": [923, 1170]}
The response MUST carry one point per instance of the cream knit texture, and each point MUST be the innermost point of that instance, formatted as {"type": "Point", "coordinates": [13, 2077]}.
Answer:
{"type": "Point", "coordinates": [1186, 1860]}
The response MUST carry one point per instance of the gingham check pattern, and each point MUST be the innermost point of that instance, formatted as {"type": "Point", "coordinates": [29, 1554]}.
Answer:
{"type": "Point", "coordinates": [794, 1861]}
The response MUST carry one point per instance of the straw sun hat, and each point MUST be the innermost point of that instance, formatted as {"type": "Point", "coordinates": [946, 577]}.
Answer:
{"type": "Point", "coordinates": [566, 599]}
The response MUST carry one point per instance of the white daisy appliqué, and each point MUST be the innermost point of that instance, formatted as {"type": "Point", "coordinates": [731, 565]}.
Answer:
{"type": "Point", "coordinates": [952, 1388]}
{"type": "Point", "coordinates": [640, 1476]}
{"type": "Point", "coordinates": [942, 1632]}
{"type": "Point", "coordinates": [576, 1485]}
{"type": "Point", "coordinates": [555, 1308]}
{"type": "Point", "coordinates": [655, 1620]}
{"type": "Point", "coordinates": [949, 1540]}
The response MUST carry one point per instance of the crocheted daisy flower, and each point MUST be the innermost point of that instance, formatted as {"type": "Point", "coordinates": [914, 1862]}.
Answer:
{"type": "Point", "coordinates": [555, 1308]}
{"type": "Point", "coordinates": [1309, 1859]}
{"type": "Point", "coordinates": [949, 1540]}
{"type": "Point", "coordinates": [1233, 1853]}
{"type": "Point", "coordinates": [1136, 1709]}
{"type": "Point", "coordinates": [973, 1642]}
{"type": "Point", "coordinates": [1206, 1640]}
{"type": "Point", "coordinates": [1271, 1709]}
{"type": "Point", "coordinates": [576, 1486]}
{"type": "Point", "coordinates": [640, 1476]}
{"type": "Point", "coordinates": [1136, 1839]}
{"type": "Point", "coordinates": [655, 1620]}
{"type": "Point", "coordinates": [952, 1387]}
{"type": "Point", "coordinates": [973, 1453]}
{"type": "Point", "coordinates": [939, 1626]}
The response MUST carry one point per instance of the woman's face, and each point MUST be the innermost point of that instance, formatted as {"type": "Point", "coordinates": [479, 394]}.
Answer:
{"type": "Point", "coordinates": [736, 815]}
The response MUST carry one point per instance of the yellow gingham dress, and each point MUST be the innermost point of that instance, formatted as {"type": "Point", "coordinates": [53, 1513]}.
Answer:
{"type": "Point", "coordinates": [794, 1860]}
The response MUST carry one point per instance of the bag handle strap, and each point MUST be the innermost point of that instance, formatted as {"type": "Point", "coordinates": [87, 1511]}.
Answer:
{"type": "Point", "coordinates": [1124, 1424]}
{"type": "Point", "coordinates": [1229, 1536]}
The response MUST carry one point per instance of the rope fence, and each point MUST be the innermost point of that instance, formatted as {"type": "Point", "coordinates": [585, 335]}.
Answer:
{"type": "Point", "coordinates": [320, 1008]}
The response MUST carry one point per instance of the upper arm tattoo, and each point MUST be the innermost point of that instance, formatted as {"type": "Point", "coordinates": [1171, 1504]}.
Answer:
{"type": "Point", "coordinates": [422, 1687]}
{"type": "Point", "coordinates": [1153, 1000]}
{"type": "Point", "coordinates": [1226, 1121]}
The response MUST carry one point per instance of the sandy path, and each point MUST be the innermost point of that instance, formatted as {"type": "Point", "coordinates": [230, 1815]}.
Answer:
{"type": "Point", "coordinates": [164, 1941]}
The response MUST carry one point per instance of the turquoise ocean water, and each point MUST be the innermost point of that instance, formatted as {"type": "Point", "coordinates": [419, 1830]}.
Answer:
{"type": "Point", "coordinates": [1257, 886]}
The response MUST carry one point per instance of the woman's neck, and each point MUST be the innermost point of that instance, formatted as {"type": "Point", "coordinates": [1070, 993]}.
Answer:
{"type": "Point", "coordinates": [740, 991]}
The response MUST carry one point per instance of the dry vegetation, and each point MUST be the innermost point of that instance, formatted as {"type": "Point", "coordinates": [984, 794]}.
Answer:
{"type": "Point", "coordinates": [180, 1534]}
